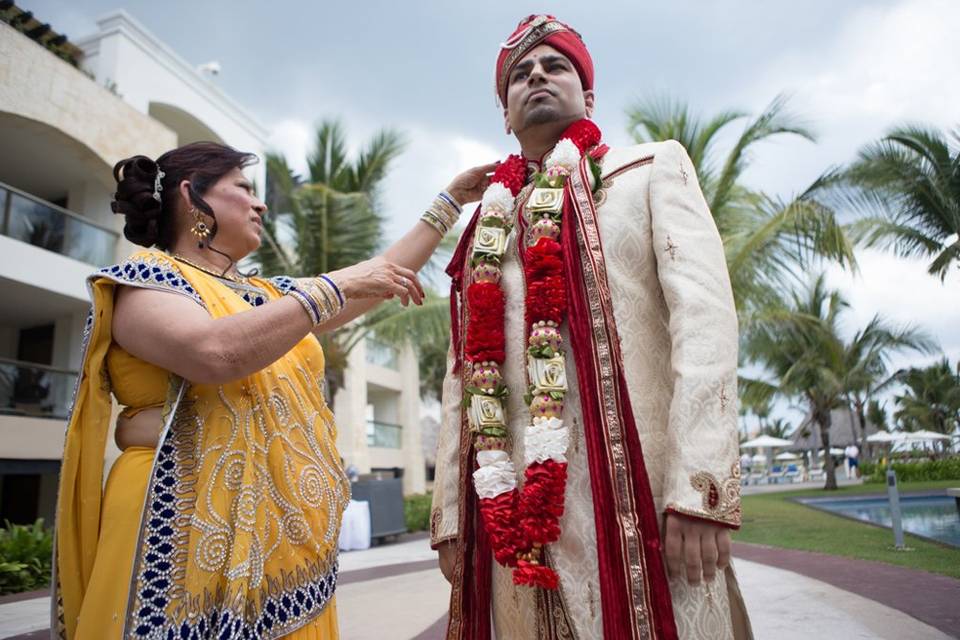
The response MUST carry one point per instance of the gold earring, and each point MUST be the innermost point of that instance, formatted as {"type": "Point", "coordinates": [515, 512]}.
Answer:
{"type": "Point", "coordinates": [200, 230]}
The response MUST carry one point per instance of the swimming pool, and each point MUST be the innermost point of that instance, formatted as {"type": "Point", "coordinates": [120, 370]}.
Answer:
{"type": "Point", "coordinates": [930, 516]}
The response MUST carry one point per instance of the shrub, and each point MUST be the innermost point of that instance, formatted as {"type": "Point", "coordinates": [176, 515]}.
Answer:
{"type": "Point", "coordinates": [25, 557]}
{"type": "Point", "coordinates": [416, 511]}
{"type": "Point", "coordinates": [945, 469]}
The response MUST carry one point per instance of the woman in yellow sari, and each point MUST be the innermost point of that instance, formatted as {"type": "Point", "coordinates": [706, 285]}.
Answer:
{"type": "Point", "coordinates": [224, 522]}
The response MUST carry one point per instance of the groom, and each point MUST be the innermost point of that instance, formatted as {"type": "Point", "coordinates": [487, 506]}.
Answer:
{"type": "Point", "coordinates": [633, 434]}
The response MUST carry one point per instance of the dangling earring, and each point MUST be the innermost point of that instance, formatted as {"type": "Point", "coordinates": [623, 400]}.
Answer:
{"type": "Point", "coordinates": [199, 229]}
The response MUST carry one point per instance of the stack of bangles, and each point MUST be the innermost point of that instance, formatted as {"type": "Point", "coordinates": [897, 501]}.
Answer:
{"type": "Point", "coordinates": [320, 297]}
{"type": "Point", "coordinates": [443, 213]}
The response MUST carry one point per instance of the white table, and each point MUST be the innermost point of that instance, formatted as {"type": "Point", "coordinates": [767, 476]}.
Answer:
{"type": "Point", "coordinates": [355, 527]}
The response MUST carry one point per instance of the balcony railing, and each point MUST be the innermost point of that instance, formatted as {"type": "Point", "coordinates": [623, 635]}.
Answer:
{"type": "Point", "coordinates": [45, 225]}
{"type": "Point", "coordinates": [35, 390]}
{"type": "Point", "coordinates": [384, 435]}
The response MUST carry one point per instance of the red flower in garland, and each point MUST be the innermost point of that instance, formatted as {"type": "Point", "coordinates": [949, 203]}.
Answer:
{"type": "Point", "coordinates": [485, 340]}
{"type": "Point", "coordinates": [535, 575]}
{"type": "Point", "coordinates": [499, 516]}
{"type": "Point", "coordinates": [512, 173]}
{"type": "Point", "coordinates": [543, 259]}
{"type": "Point", "coordinates": [583, 133]}
{"type": "Point", "coordinates": [546, 299]}
{"type": "Point", "coordinates": [541, 503]}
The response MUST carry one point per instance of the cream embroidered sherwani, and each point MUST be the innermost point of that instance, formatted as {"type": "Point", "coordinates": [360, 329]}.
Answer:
{"type": "Point", "coordinates": [678, 330]}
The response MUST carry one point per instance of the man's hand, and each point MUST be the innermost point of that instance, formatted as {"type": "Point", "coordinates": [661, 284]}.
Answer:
{"type": "Point", "coordinates": [448, 558]}
{"type": "Point", "coordinates": [695, 548]}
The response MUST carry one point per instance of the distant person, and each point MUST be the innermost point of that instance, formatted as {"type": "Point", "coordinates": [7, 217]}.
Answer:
{"type": "Point", "coordinates": [852, 453]}
{"type": "Point", "coordinates": [239, 483]}
{"type": "Point", "coordinates": [353, 473]}
{"type": "Point", "coordinates": [746, 464]}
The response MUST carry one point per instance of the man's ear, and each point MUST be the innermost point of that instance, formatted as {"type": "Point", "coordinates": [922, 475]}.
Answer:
{"type": "Point", "coordinates": [506, 121]}
{"type": "Point", "coordinates": [588, 99]}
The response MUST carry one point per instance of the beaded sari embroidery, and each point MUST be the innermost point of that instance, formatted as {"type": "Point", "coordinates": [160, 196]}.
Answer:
{"type": "Point", "coordinates": [238, 535]}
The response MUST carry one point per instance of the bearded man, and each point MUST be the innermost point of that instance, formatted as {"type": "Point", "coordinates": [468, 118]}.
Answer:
{"type": "Point", "coordinates": [587, 471]}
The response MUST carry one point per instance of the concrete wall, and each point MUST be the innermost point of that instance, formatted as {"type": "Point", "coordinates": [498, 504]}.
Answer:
{"type": "Point", "coordinates": [37, 85]}
{"type": "Point", "coordinates": [147, 73]}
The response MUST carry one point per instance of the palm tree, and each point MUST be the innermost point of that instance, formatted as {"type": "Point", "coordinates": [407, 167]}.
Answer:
{"type": "Point", "coordinates": [908, 185]}
{"type": "Point", "coordinates": [931, 399]}
{"type": "Point", "coordinates": [327, 221]}
{"type": "Point", "coordinates": [877, 414]}
{"type": "Point", "coordinates": [767, 240]}
{"type": "Point", "coordinates": [331, 220]}
{"type": "Point", "coordinates": [867, 362]}
{"type": "Point", "coordinates": [799, 344]}
{"type": "Point", "coordinates": [779, 428]}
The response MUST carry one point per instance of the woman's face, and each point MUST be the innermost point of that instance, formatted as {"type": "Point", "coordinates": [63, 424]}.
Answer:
{"type": "Point", "coordinates": [239, 214]}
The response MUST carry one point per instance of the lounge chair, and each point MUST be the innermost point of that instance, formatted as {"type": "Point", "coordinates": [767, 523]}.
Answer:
{"type": "Point", "coordinates": [777, 473]}
{"type": "Point", "coordinates": [792, 473]}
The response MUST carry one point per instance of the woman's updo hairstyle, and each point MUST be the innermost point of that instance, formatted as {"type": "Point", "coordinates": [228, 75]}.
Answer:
{"type": "Point", "coordinates": [151, 222]}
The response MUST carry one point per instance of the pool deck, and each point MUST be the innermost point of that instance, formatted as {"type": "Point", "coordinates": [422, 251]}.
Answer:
{"type": "Point", "coordinates": [928, 597]}
{"type": "Point", "coordinates": [395, 591]}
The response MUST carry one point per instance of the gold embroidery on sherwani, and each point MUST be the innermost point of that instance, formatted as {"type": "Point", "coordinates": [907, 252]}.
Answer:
{"type": "Point", "coordinates": [553, 619]}
{"type": "Point", "coordinates": [603, 326]}
{"type": "Point", "coordinates": [720, 500]}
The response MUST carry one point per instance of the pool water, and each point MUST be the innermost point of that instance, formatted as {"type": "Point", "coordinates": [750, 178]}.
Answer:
{"type": "Point", "coordinates": [934, 517]}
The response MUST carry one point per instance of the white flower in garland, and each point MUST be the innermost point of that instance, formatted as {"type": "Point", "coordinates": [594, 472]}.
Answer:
{"type": "Point", "coordinates": [565, 157]}
{"type": "Point", "coordinates": [496, 474]}
{"type": "Point", "coordinates": [497, 198]}
{"type": "Point", "coordinates": [546, 439]}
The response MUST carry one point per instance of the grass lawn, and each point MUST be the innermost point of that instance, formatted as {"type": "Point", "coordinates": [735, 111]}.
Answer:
{"type": "Point", "coordinates": [775, 520]}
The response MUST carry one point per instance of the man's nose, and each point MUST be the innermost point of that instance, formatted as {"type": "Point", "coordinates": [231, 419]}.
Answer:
{"type": "Point", "coordinates": [536, 74]}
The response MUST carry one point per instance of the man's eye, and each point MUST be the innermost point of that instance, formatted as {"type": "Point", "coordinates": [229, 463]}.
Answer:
{"type": "Point", "coordinates": [519, 76]}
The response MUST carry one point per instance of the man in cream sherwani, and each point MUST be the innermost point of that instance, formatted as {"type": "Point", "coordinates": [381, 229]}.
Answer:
{"type": "Point", "coordinates": [675, 322]}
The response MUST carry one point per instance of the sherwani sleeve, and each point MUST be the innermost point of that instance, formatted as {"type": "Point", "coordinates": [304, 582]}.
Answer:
{"type": "Point", "coordinates": [444, 515]}
{"type": "Point", "coordinates": [702, 477]}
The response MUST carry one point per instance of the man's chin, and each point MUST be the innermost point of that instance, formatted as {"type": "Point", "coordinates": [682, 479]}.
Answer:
{"type": "Point", "coordinates": [542, 114]}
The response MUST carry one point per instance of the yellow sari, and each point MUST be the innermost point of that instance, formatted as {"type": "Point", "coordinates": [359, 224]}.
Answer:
{"type": "Point", "coordinates": [229, 528]}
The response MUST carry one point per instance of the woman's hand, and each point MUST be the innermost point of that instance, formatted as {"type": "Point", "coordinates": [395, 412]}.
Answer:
{"type": "Point", "coordinates": [470, 185]}
{"type": "Point", "coordinates": [378, 278]}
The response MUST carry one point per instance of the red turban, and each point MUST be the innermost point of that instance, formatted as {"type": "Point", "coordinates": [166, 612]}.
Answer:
{"type": "Point", "coordinates": [542, 29]}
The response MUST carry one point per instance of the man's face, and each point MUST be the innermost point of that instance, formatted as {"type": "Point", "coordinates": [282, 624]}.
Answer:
{"type": "Point", "coordinates": [545, 87]}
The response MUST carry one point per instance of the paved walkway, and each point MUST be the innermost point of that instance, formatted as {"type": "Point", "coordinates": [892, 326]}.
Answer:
{"type": "Point", "coordinates": [776, 487]}
{"type": "Point", "coordinates": [396, 592]}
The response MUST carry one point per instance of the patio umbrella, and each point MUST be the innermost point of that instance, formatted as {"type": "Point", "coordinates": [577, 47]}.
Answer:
{"type": "Point", "coordinates": [765, 442]}
{"type": "Point", "coordinates": [885, 437]}
{"type": "Point", "coordinates": [925, 436]}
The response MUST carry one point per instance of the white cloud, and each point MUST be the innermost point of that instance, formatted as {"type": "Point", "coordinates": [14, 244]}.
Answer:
{"type": "Point", "coordinates": [886, 65]}
{"type": "Point", "coordinates": [901, 290]}
{"type": "Point", "coordinates": [292, 138]}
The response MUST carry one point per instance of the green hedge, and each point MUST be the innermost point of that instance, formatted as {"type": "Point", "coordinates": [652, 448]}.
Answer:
{"type": "Point", "coordinates": [26, 553]}
{"type": "Point", "coordinates": [945, 469]}
{"type": "Point", "coordinates": [416, 511]}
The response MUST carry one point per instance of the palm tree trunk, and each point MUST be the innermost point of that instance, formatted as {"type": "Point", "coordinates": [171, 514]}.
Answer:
{"type": "Point", "coordinates": [825, 421]}
{"type": "Point", "coordinates": [865, 448]}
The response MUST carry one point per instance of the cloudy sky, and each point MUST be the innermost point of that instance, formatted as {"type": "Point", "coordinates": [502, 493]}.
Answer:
{"type": "Point", "coordinates": [425, 68]}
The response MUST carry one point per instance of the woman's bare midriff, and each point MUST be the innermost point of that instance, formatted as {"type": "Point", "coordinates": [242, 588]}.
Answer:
{"type": "Point", "coordinates": [140, 430]}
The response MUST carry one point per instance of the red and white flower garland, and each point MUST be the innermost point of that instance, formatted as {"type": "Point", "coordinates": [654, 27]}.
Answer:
{"type": "Point", "coordinates": [519, 523]}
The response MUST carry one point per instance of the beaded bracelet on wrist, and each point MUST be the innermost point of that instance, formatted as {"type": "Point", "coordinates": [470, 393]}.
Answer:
{"type": "Point", "coordinates": [320, 298]}
{"type": "Point", "coordinates": [443, 213]}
